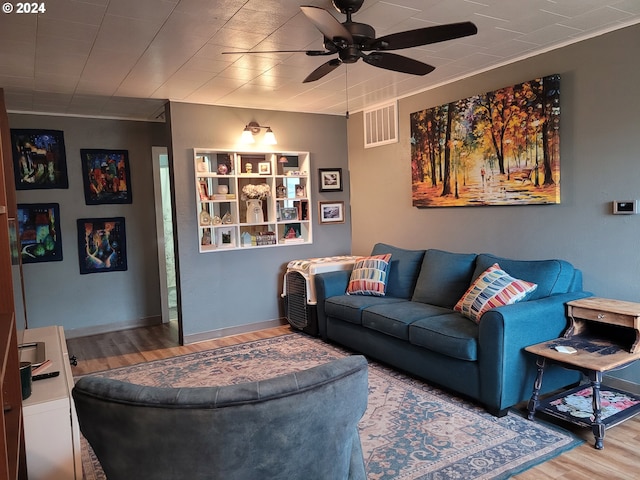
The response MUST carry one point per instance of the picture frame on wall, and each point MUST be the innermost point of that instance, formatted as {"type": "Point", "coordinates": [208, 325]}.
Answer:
{"type": "Point", "coordinates": [330, 179]}
{"type": "Point", "coordinates": [38, 235]}
{"type": "Point", "coordinates": [39, 159]}
{"type": "Point", "coordinates": [331, 212]}
{"type": "Point", "coordinates": [522, 168]}
{"type": "Point", "coordinates": [102, 245]}
{"type": "Point", "coordinates": [106, 176]}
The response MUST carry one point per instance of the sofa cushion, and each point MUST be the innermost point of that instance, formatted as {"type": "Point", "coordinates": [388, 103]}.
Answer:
{"type": "Point", "coordinates": [551, 276]}
{"type": "Point", "coordinates": [450, 334]}
{"type": "Point", "coordinates": [394, 319]}
{"type": "Point", "coordinates": [493, 288]}
{"type": "Point", "coordinates": [444, 277]}
{"type": "Point", "coordinates": [349, 307]}
{"type": "Point", "coordinates": [369, 276]}
{"type": "Point", "coordinates": [404, 269]}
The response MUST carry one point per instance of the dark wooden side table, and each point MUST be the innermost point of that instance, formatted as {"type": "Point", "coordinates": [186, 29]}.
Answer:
{"type": "Point", "coordinates": [604, 334]}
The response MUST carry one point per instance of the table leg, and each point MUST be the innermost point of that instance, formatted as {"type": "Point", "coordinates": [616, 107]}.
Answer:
{"type": "Point", "coordinates": [534, 401]}
{"type": "Point", "coordinates": [597, 426]}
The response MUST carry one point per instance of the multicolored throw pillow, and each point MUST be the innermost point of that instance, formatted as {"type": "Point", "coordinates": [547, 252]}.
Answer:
{"type": "Point", "coordinates": [493, 288]}
{"type": "Point", "coordinates": [369, 276]}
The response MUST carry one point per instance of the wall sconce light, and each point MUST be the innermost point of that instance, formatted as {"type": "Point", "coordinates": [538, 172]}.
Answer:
{"type": "Point", "coordinates": [253, 128]}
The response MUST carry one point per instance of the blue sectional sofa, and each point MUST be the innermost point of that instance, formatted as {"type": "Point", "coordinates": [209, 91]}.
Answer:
{"type": "Point", "coordinates": [413, 327]}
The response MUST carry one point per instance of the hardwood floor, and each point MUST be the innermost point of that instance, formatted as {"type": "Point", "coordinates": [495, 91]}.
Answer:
{"type": "Point", "coordinates": [618, 460]}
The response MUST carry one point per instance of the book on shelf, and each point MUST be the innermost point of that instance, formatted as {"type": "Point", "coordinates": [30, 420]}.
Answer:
{"type": "Point", "coordinates": [302, 206]}
{"type": "Point", "coordinates": [266, 238]}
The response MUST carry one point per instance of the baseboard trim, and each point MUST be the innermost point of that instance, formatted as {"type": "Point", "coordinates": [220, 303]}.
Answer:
{"type": "Point", "coordinates": [225, 332]}
{"type": "Point", "coordinates": [621, 384]}
{"type": "Point", "coordinates": [112, 327]}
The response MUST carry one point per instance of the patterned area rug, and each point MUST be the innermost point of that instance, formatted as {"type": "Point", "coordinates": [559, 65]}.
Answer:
{"type": "Point", "coordinates": [410, 430]}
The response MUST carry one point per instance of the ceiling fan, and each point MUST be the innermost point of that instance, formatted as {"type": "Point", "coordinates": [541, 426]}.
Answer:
{"type": "Point", "coordinates": [351, 39]}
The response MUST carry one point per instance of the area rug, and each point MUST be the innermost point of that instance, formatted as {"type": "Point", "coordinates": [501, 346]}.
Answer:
{"type": "Point", "coordinates": [410, 430]}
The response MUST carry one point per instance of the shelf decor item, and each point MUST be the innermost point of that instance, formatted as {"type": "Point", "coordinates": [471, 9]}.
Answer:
{"type": "Point", "coordinates": [264, 168]}
{"type": "Point", "coordinates": [254, 211]}
{"type": "Point", "coordinates": [205, 218]}
{"type": "Point", "coordinates": [261, 191]}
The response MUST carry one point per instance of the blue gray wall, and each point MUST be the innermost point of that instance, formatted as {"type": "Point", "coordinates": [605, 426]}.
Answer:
{"type": "Point", "coordinates": [234, 291]}
{"type": "Point", "coordinates": [56, 293]}
{"type": "Point", "coordinates": [599, 163]}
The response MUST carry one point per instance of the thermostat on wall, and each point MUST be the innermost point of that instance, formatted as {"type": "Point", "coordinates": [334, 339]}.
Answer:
{"type": "Point", "coordinates": [625, 207]}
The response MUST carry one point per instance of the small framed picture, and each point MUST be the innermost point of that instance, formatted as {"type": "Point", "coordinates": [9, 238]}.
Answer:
{"type": "Point", "coordinates": [288, 213]}
{"type": "Point", "coordinates": [264, 168]}
{"type": "Point", "coordinates": [39, 159]}
{"type": "Point", "coordinates": [38, 232]}
{"type": "Point", "coordinates": [331, 212]}
{"type": "Point", "coordinates": [102, 245]}
{"type": "Point", "coordinates": [225, 237]}
{"type": "Point", "coordinates": [203, 190]}
{"type": "Point", "coordinates": [106, 176]}
{"type": "Point", "coordinates": [330, 179]}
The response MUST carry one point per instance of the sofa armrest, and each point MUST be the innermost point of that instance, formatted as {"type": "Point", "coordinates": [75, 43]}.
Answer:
{"type": "Point", "coordinates": [506, 369]}
{"type": "Point", "coordinates": [328, 284]}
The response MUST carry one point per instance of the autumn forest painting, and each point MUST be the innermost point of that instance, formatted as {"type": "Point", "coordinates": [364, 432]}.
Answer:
{"type": "Point", "coordinates": [498, 148]}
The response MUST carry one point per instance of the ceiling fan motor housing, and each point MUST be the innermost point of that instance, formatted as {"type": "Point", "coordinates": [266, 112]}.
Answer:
{"type": "Point", "coordinates": [347, 6]}
{"type": "Point", "coordinates": [361, 32]}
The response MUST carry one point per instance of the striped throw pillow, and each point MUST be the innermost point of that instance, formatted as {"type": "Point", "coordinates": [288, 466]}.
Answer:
{"type": "Point", "coordinates": [369, 276]}
{"type": "Point", "coordinates": [493, 288]}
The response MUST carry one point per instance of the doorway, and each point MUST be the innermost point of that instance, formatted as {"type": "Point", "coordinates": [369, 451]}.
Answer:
{"type": "Point", "coordinates": [164, 232]}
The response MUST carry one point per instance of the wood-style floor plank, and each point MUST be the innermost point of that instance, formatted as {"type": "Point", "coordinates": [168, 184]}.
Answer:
{"type": "Point", "coordinates": [618, 460]}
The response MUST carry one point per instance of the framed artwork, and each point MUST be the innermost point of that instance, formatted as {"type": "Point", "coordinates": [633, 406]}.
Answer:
{"type": "Point", "coordinates": [289, 213]}
{"type": "Point", "coordinates": [264, 168]}
{"type": "Point", "coordinates": [497, 148]}
{"type": "Point", "coordinates": [39, 236]}
{"type": "Point", "coordinates": [331, 212]}
{"type": "Point", "coordinates": [106, 176]}
{"type": "Point", "coordinates": [203, 190]}
{"type": "Point", "coordinates": [102, 245]}
{"type": "Point", "coordinates": [225, 237]}
{"type": "Point", "coordinates": [13, 242]}
{"type": "Point", "coordinates": [39, 159]}
{"type": "Point", "coordinates": [330, 179]}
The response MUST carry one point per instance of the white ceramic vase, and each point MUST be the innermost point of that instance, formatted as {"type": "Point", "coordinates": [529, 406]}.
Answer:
{"type": "Point", "coordinates": [254, 211]}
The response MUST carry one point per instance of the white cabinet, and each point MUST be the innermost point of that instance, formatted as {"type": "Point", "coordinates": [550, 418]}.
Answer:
{"type": "Point", "coordinates": [252, 199]}
{"type": "Point", "coordinates": [51, 431]}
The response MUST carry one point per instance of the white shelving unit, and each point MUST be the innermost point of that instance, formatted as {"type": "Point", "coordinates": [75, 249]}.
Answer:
{"type": "Point", "coordinates": [228, 221]}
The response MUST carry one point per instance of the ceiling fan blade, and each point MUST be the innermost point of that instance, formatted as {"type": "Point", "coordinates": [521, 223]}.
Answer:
{"type": "Point", "coordinates": [327, 24]}
{"type": "Point", "coordinates": [423, 36]}
{"type": "Point", "coordinates": [398, 63]}
{"type": "Point", "coordinates": [322, 70]}
{"type": "Point", "coordinates": [311, 53]}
